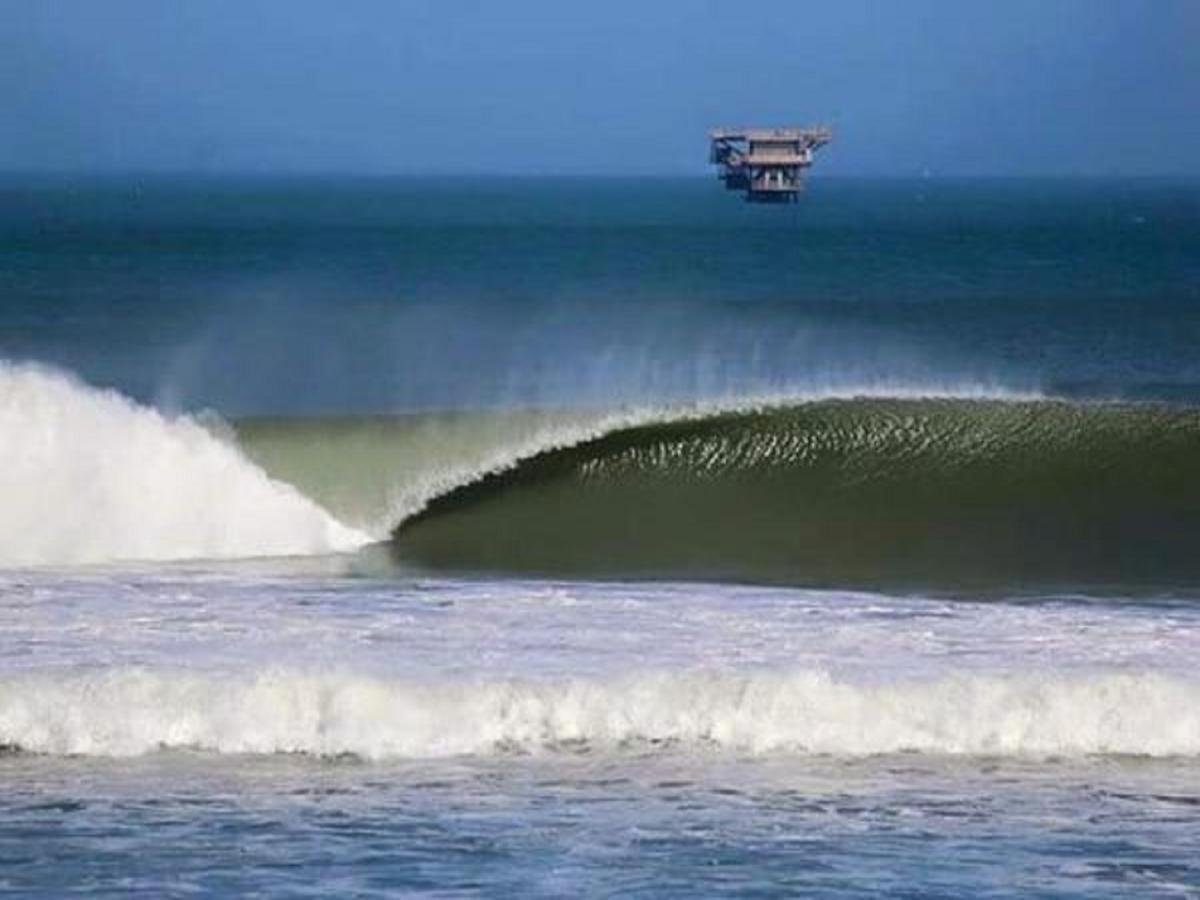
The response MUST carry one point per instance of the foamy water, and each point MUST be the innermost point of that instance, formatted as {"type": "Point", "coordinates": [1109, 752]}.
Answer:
{"type": "Point", "coordinates": [483, 724]}
{"type": "Point", "coordinates": [118, 665]}
{"type": "Point", "coordinates": [127, 712]}
{"type": "Point", "coordinates": [89, 476]}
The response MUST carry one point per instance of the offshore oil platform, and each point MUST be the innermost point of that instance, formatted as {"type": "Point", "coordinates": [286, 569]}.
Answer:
{"type": "Point", "coordinates": [766, 163]}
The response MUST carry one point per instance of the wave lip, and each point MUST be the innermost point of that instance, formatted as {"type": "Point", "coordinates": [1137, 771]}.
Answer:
{"type": "Point", "coordinates": [122, 712]}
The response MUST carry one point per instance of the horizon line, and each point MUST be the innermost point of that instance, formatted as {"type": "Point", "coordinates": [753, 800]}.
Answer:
{"type": "Point", "coordinates": [218, 174]}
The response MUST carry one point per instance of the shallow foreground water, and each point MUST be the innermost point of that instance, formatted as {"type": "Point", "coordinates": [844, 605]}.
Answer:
{"type": "Point", "coordinates": [272, 727]}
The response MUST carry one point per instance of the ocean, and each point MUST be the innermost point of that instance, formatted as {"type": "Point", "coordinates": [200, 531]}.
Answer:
{"type": "Point", "coordinates": [610, 536]}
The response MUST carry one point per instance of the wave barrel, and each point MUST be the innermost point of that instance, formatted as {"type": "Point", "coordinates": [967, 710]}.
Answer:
{"type": "Point", "coordinates": [938, 494]}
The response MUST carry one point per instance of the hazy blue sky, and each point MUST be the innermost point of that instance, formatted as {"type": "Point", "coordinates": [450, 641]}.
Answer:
{"type": "Point", "coordinates": [948, 86]}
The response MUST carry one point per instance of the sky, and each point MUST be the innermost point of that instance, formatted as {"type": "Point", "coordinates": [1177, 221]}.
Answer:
{"type": "Point", "coordinates": [941, 87]}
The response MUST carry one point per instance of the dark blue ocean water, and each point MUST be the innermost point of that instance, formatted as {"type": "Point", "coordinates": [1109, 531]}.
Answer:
{"type": "Point", "coordinates": [390, 293]}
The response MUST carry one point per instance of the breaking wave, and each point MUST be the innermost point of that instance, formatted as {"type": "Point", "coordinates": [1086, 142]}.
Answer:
{"type": "Point", "coordinates": [88, 476]}
{"type": "Point", "coordinates": [926, 492]}
{"type": "Point", "coordinates": [121, 712]}
{"type": "Point", "coordinates": [902, 490]}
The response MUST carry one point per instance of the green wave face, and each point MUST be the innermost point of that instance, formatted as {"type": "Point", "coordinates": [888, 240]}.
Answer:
{"type": "Point", "coordinates": [869, 492]}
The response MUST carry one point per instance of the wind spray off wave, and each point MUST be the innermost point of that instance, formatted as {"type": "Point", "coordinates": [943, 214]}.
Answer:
{"type": "Point", "coordinates": [89, 476]}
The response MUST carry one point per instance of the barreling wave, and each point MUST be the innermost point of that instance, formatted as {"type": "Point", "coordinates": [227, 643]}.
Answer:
{"type": "Point", "coordinates": [928, 492]}
{"type": "Point", "coordinates": [951, 492]}
{"type": "Point", "coordinates": [89, 476]}
{"type": "Point", "coordinates": [121, 712]}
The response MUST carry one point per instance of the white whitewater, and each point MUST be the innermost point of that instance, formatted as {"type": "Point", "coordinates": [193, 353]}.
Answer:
{"type": "Point", "coordinates": [89, 476]}
{"type": "Point", "coordinates": [132, 711]}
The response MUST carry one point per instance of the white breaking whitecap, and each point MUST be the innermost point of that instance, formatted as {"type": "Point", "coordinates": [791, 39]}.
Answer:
{"type": "Point", "coordinates": [127, 711]}
{"type": "Point", "coordinates": [87, 475]}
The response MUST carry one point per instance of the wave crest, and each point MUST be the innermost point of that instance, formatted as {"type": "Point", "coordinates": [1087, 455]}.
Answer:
{"type": "Point", "coordinates": [130, 711]}
{"type": "Point", "coordinates": [88, 476]}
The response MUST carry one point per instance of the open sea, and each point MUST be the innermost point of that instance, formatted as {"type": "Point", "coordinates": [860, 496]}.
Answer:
{"type": "Point", "coordinates": [594, 537]}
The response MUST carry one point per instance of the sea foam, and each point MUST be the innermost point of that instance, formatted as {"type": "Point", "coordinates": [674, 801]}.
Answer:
{"type": "Point", "coordinates": [129, 711]}
{"type": "Point", "coordinates": [87, 475]}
